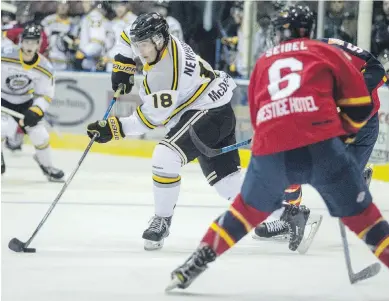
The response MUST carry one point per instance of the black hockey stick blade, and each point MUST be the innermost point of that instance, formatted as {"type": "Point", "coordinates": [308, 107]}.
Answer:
{"type": "Point", "coordinates": [366, 273]}
{"type": "Point", "coordinates": [205, 150]}
{"type": "Point", "coordinates": [20, 247]}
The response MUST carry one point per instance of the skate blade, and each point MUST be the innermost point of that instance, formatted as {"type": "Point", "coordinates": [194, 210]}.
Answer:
{"type": "Point", "coordinates": [150, 245]}
{"type": "Point", "coordinates": [305, 244]}
{"type": "Point", "coordinates": [174, 283]}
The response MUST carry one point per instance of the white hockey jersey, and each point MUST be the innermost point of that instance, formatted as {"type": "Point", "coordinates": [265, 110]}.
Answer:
{"type": "Point", "coordinates": [94, 36]}
{"type": "Point", "coordinates": [21, 82]}
{"type": "Point", "coordinates": [180, 81]}
{"type": "Point", "coordinates": [54, 27]}
{"type": "Point", "coordinates": [175, 28]}
{"type": "Point", "coordinates": [117, 26]}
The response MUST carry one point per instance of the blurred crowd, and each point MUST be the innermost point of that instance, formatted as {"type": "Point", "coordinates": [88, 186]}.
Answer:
{"type": "Point", "coordinates": [80, 35]}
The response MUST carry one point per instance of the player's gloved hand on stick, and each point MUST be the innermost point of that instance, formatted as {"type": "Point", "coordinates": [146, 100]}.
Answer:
{"type": "Point", "coordinates": [123, 71]}
{"type": "Point", "coordinates": [32, 116]}
{"type": "Point", "coordinates": [106, 130]}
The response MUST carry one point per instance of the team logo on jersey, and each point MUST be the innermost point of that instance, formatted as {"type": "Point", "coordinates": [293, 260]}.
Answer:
{"type": "Point", "coordinates": [17, 82]}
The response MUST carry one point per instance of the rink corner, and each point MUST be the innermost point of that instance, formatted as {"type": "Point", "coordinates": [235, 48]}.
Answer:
{"type": "Point", "coordinates": [144, 148]}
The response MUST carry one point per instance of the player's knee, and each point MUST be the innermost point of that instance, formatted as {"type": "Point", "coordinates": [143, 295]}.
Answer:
{"type": "Point", "coordinates": [229, 186]}
{"type": "Point", "coordinates": [39, 136]}
{"type": "Point", "coordinates": [165, 161]}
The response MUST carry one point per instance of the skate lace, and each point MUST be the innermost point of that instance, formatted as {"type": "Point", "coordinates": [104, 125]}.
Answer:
{"type": "Point", "coordinates": [275, 226]}
{"type": "Point", "coordinates": [158, 224]}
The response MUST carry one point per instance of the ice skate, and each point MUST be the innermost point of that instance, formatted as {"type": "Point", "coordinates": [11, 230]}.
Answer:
{"type": "Point", "coordinates": [296, 218]}
{"type": "Point", "coordinates": [53, 174]}
{"type": "Point", "coordinates": [157, 231]}
{"type": "Point", "coordinates": [196, 264]}
{"type": "Point", "coordinates": [276, 230]}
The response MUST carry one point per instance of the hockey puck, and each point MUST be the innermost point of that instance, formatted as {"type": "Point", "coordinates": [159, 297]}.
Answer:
{"type": "Point", "coordinates": [17, 246]}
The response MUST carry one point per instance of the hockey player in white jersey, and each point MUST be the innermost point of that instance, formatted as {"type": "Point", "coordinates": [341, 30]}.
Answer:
{"type": "Point", "coordinates": [179, 89]}
{"type": "Point", "coordinates": [27, 87]}
{"type": "Point", "coordinates": [94, 34]}
{"type": "Point", "coordinates": [124, 18]}
{"type": "Point", "coordinates": [57, 27]}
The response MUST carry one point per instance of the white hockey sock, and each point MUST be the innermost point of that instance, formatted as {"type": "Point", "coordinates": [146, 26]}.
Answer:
{"type": "Point", "coordinates": [44, 156]}
{"type": "Point", "coordinates": [166, 190]}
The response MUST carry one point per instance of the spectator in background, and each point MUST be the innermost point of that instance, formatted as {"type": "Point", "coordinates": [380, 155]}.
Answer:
{"type": "Point", "coordinates": [162, 7]}
{"type": "Point", "coordinates": [339, 23]}
{"type": "Point", "coordinates": [263, 37]}
{"type": "Point", "coordinates": [123, 17]}
{"type": "Point", "coordinates": [14, 31]}
{"type": "Point", "coordinates": [8, 15]}
{"type": "Point", "coordinates": [380, 34]}
{"type": "Point", "coordinates": [94, 35]}
{"type": "Point", "coordinates": [233, 52]}
{"type": "Point", "coordinates": [58, 27]}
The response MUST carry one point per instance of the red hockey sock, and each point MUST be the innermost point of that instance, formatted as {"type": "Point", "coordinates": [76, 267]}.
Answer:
{"type": "Point", "coordinates": [373, 229]}
{"type": "Point", "coordinates": [233, 225]}
{"type": "Point", "coordinates": [293, 194]}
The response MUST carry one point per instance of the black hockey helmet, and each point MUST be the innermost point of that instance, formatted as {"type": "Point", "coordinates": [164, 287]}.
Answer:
{"type": "Point", "coordinates": [150, 26]}
{"type": "Point", "coordinates": [31, 32]}
{"type": "Point", "coordinates": [293, 22]}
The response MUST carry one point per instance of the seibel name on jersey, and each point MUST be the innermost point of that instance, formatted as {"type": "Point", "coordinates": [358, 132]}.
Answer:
{"type": "Point", "coordinates": [286, 47]}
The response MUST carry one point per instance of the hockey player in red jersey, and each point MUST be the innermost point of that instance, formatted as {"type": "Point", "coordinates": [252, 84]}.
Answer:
{"type": "Point", "coordinates": [360, 145]}
{"type": "Point", "coordinates": [295, 92]}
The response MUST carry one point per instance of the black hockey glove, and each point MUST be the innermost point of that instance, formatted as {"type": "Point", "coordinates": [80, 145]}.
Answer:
{"type": "Point", "coordinates": [106, 130]}
{"type": "Point", "coordinates": [32, 116]}
{"type": "Point", "coordinates": [123, 73]}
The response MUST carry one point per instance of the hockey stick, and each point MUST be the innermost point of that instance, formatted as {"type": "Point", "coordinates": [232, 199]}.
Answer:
{"type": "Point", "coordinates": [21, 116]}
{"type": "Point", "coordinates": [367, 272]}
{"type": "Point", "coordinates": [370, 270]}
{"type": "Point", "coordinates": [18, 246]}
{"type": "Point", "coordinates": [213, 152]}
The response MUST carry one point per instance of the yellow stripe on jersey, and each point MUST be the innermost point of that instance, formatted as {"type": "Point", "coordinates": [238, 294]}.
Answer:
{"type": "Point", "coordinates": [192, 99]}
{"type": "Point", "coordinates": [39, 68]}
{"type": "Point", "coordinates": [353, 123]}
{"type": "Point", "coordinates": [175, 65]}
{"type": "Point", "coordinates": [223, 234]}
{"type": "Point", "coordinates": [354, 101]}
{"type": "Point", "coordinates": [144, 119]}
{"type": "Point", "coordinates": [146, 86]}
{"type": "Point", "coordinates": [385, 79]}
{"type": "Point", "coordinates": [125, 38]}
{"type": "Point", "coordinates": [45, 97]}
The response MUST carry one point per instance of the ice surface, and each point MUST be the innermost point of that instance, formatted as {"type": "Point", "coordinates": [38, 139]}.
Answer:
{"type": "Point", "coordinates": [91, 246]}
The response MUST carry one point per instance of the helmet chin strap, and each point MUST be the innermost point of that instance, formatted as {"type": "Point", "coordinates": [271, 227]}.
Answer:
{"type": "Point", "coordinates": [159, 54]}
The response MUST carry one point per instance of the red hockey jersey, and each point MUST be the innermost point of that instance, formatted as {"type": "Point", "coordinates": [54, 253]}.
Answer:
{"type": "Point", "coordinates": [365, 62]}
{"type": "Point", "coordinates": [302, 92]}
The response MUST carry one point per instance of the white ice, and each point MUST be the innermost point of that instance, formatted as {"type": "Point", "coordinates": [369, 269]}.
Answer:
{"type": "Point", "coordinates": [91, 246]}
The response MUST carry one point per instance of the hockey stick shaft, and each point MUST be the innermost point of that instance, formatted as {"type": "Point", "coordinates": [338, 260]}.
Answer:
{"type": "Point", "coordinates": [21, 116]}
{"type": "Point", "coordinates": [213, 152]}
{"type": "Point", "coordinates": [370, 270]}
{"type": "Point", "coordinates": [68, 181]}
